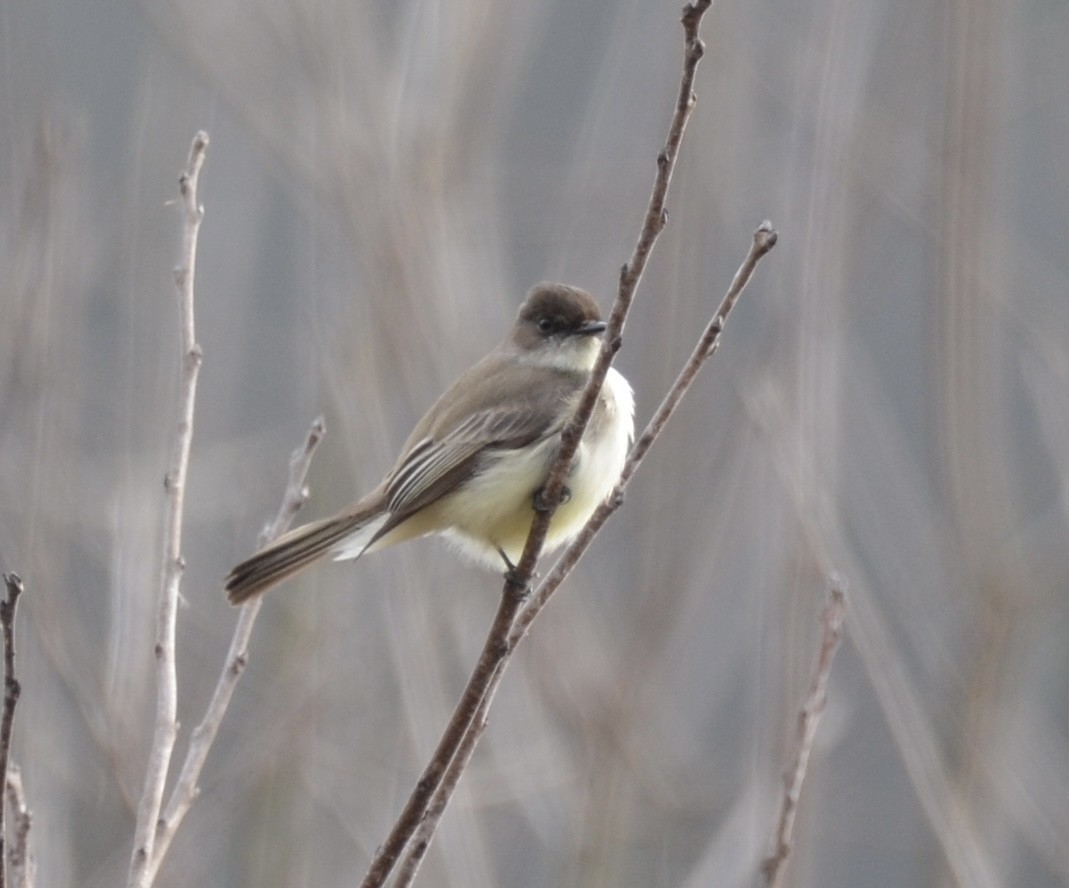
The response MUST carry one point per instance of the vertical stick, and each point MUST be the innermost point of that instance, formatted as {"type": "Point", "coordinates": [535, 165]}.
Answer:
{"type": "Point", "coordinates": [12, 689]}
{"type": "Point", "coordinates": [174, 483]}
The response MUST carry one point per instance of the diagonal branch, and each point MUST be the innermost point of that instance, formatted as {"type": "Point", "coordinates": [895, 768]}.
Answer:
{"type": "Point", "coordinates": [630, 275]}
{"type": "Point", "coordinates": [174, 483]}
{"type": "Point", "coordinates": [421, 841]}
{"type": "Point", "coordinates": [496, 649]}
{"type": "Point", "coordinates": [764, 239]}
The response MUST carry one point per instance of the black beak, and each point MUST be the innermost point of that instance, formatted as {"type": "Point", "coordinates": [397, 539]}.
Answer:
{"type": "Point", "coordinates": [589, 328]}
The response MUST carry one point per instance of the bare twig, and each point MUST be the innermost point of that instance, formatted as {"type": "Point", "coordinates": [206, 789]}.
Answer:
{"type": "Point", "coordinates": [12, 690]}
{"type": "Point", "coordinates": [517, 625]}
{"type": "Point", "coordinates": [166, 728]}
{"type": "Point", "coordinates": [463, 717]}
{"type": "Point", "coordinates": [421, 841]}
{"type": "Point", "coordinates": [296, 493]}
{"type": "Point", "coordinates": [23, 866]}
{"type": "Point", "coordinates": [450, 760]}
{"type": "Point", "coordinates": [971, 860]}
{"type": "Point", "coordinates": [203, 736]}
{"type": "Point", "coordinates": [495, 651]}
{"type": "Point", "coordinates": [630, 275]}
{"type": "Point", "coordinates": [764, 239]}
{"type": "Point", "coordinates": [831, 618]}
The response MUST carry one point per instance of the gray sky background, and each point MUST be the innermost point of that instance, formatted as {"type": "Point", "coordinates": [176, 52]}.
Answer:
{"type": "Point", "coordinates": [384, 182]}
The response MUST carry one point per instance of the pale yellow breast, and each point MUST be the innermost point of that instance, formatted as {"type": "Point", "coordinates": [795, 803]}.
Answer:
{"type": "Point", "coordinates": [494, 511]}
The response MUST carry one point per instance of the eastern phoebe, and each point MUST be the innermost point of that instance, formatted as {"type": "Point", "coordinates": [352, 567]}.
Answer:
{"type": "Point", "coordinates": [474, 466]}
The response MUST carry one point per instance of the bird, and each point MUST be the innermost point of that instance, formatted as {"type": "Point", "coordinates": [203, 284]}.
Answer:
{"type": "Point", "coordinates": [474, 466]}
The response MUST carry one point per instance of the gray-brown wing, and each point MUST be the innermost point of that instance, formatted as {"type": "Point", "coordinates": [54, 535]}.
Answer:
{"type": "Point", "coordinates": [434, 468]}
{"type": "Point", "coordinates": [499, 404]}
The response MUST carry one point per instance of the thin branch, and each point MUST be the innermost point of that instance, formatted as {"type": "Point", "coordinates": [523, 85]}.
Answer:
{"type": "Point", "coordinates": [630, 275]}
{"type": "Point", "coordinates": [23, 866]}
{"type": "Point", "coordinates": [517, 626]}
{"type": "Point", "coordinates": [203, 736]}
{"type": "Point", "coordinates": [421, 841]}
{"type": "Point", "coordinates": [296, 493]}
{"type": "Point", "coordinates": [831, 618]}
{"type": "Point", "coordinates": [764, 239]}
{"type": "Point", "coordinates": [450, 759]}
{"type": "Point", "coordinates": [12, 690]}
{"type": "Point", "coordinates": [495, 651]}
{"type": "Point", "coordinates": [166, 728]}
{"type": "Point", "coordinates": [463, 717]}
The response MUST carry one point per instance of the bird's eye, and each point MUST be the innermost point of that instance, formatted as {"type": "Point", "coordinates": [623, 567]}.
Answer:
{"type": "Point", "coordinates": [547, 325]}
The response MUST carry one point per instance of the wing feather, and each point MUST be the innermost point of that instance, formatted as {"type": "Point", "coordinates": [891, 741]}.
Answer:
{"type": "Point", "coordinates": [432, 468]}
{"type": "Point", "coordinates": [494, 407]}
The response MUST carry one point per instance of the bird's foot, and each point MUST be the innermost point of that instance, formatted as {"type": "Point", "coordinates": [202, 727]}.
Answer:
{"type": "Point", "coordinates": [539, 501]}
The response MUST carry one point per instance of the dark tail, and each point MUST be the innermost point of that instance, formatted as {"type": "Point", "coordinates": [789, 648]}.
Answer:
{"type": "Point", "coordinates": [289, 554]}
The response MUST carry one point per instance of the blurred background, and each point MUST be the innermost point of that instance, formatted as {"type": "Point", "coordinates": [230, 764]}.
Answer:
{"type": "Point", "coordinates": [385, 180]}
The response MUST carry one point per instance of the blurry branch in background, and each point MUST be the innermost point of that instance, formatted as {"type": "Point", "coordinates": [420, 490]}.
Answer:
{"type": "Point", "coordinates": [203, 736]}
{"type": "Point", "coordinates": [174, 484]}
{"type": "Point", "coordinates": [900, 700]}
{"type": "Point", "coordinates": [831, 618]}
{"type": "Point", "coordinates": [475, 700]}
{"type": "Point", "coordinates": [12, 690]}
{"type": "Point", "coordinates": [23, 866]}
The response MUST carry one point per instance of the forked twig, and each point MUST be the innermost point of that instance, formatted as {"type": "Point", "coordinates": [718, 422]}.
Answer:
{"type": "Point", "coordinates": [630, 275]}
{"type": "Point", "coordinates": [763, 241]}
{"type": "Point", "coordinates": [156, 826]}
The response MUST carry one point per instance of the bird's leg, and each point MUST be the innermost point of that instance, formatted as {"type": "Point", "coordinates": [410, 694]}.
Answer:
{"type": "Point", "coordinates": [512, 576]}
{"type": "Point", "coordinates": [509, 566]}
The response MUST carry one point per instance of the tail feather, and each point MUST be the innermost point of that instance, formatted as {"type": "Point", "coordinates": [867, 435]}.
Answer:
{"type": "Point", "coordinates": [289, 554]}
